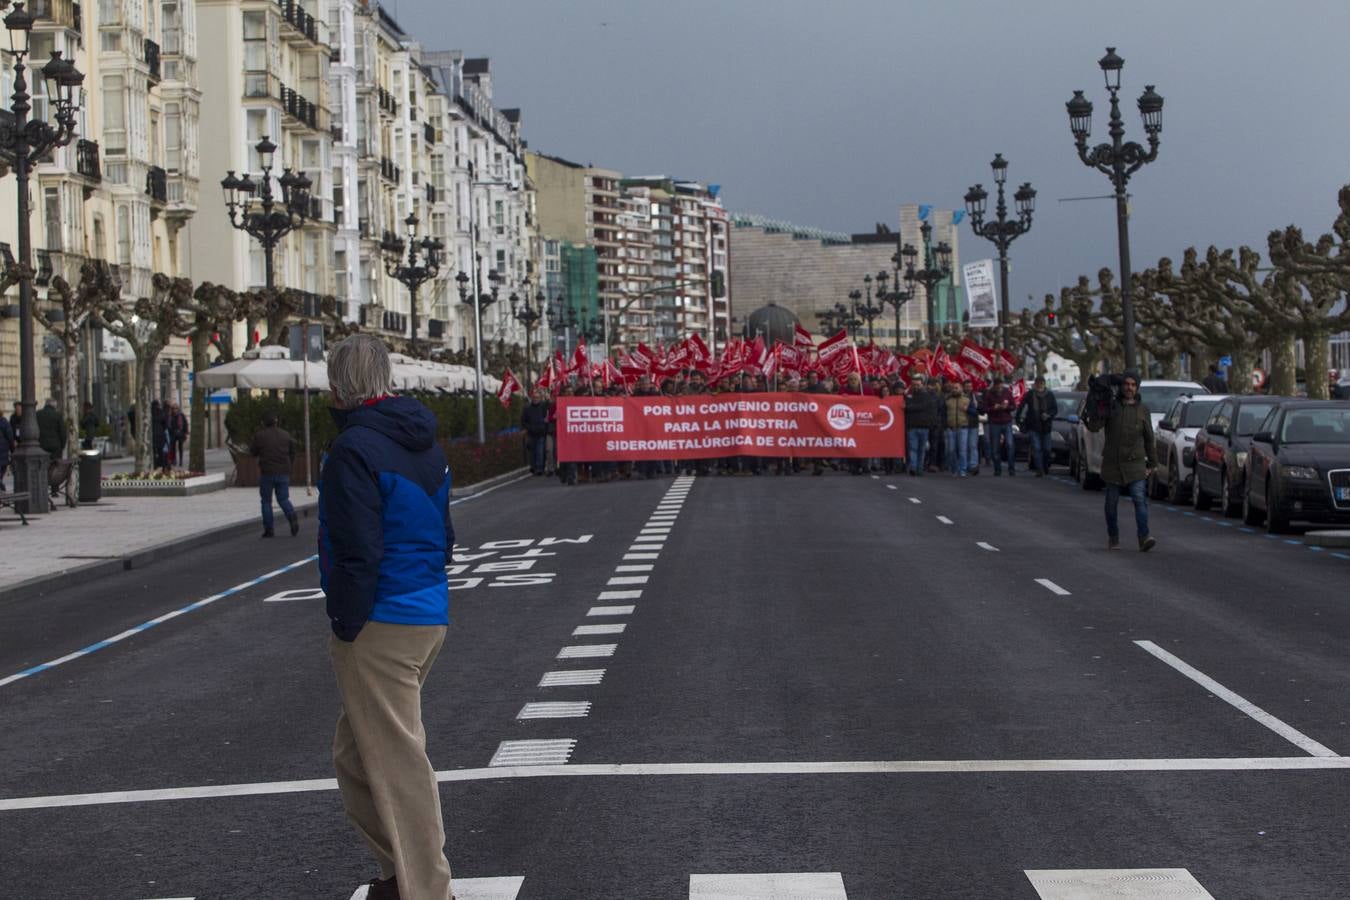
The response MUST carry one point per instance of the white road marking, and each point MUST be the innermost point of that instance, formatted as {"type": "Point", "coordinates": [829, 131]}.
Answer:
{"type": "Point", "coordinates": [611, 610]}
{"type": "Point", "coordinates": [876, 477]}
{"type": "Point", "coordinates": [1104, 884]}
{"type": "Point", "coordinates": [587, 651]}
{"type": "Point", "coordinates": [944, 520]}
{"type": "Point", "coordinates": [619, 595]}
{"type": "Point", "coordinates": [532, 753]}
{"type": "Point", "coordinates": [661, 520]}
{"type": "Point", "coordinates": [642, 556]}
{"type": "Point", "coordinates": [646, 567]}
{"type": "Point", "coordinates": [984, 546]}
{"type": "Point", "coordinates": [572, 678]}
{"type": "Point", "coordinates": [555, 710]}
{"type": "Point", "coordinates": [607, 628]}
{"type": "Point", "coordinates": [915, 500]}
{"type": "Point", "coordinates": [769, 886]}
{"type": "Point", "coordinates": [650, 539]}
{"type": "Point", "coordinates": [1288, 732]}
{"type": "Point", "coordinates": [484, 493]}
{"type": "Point", "coordinates": [506, 887]}
{"type": "Point", "coordinates": [1052, 587]}
{"type": "Point", "coordinates": [891, 487]}
{"type": "Point", "coordinates": [627, 579]}
{"type": "Point", "coordinates": [845, 767]}
{"type": "Point", "coordinates": [298, 594]}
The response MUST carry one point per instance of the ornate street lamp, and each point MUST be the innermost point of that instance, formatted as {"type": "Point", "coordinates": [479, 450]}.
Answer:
{"type": "Point", "coordinates": [1118, 160]}
{"type": "Point", "coordinates": [862, 302]}
{"type": "Point", "coordinates": [421, 264]}
{"type": "Point", "coordinates": [256, 211]}
{"type": "Point", "coordinates": [937, 265]}
{"type": "Point", "coordinates": [1002, 230]}
{"type": "Point", "coordinates": [527, 316]}
{"type": "Point", "coordinates": [480, 301]}
{"type": "Point", "coordinates": [896, 298]}
{"type": "Point", "coordinates": [561, 320]}
{"type": "Point", "coordinates": [24, 141]}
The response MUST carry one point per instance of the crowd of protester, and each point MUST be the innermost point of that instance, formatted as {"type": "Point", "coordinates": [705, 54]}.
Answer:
{"type": "Point", "coordinates": [948, 427]}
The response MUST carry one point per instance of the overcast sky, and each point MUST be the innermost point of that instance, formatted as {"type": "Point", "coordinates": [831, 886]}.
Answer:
{"type": "Point", "coordinates": [831, 115]}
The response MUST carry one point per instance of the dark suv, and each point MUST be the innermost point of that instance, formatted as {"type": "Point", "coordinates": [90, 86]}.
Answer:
{"type": "Point", "coordinates": [1221, 451]}
{"type": "Point", "coordinates": [1299, 466]}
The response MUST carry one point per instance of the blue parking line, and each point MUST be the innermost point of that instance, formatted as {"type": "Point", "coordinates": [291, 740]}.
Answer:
{"type": "Point", "coordinates": [1224, 524]}
{"type": "Point", "coordinates": [1171, 509]}
{"type": "Point", "coordinates": [1341, 555]}
{"type": "Point", "coordinates": [1247, 530]}
{"type": "Point", "coordinates": [1292, 541]}
{"type": "Point", "coordinates": [1315, 549]}
{"type": "Point", "coordinates": [1188, 513]}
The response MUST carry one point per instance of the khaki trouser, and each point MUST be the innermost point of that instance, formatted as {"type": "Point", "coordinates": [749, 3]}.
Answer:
{"type": "Point", "coordinates": [388, 785]}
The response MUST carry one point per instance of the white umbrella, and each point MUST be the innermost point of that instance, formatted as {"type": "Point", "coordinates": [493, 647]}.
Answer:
{"type": "Point", "coordinates": [264, 368]}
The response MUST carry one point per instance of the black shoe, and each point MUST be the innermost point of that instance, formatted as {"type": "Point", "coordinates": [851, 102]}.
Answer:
{"type": "Point", "coordinates": [383, 890]}
{"type": "Point", "coordinates": [268, 533]}
{"type": "Point", "coordinates": [295, 527]}
{"type": "Point", "coordinates": [1147, 544]}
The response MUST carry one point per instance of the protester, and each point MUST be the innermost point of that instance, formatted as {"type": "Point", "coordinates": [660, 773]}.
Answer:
{"type": "Point", "coordinates": [1127, 460]}
{"type": "Point", "coordinates": [997, 404]}
{"type": "Point", "coordinates": [1036, 418]}
{"type": "Point", "coordinates": [1214, 382]}
{"type": "Point", "coordinates": [9, 442]}
{"type": "Point", "coordinates": [534, 419]}
{"type": "Point", "coordinates": [51, 431]}
{"type": "Point", "coordinates": [922, 414]}
{"type": "Point", "coordinates": [385, 538]}
{"type": "Point", "coordinates": [177, 426]}
{"type": "Point", "coordinates": [275, 452]}
{"type": "Point", "coordinates": [88, 426]}
{"type": "Point", "coordinates": [956, 429]}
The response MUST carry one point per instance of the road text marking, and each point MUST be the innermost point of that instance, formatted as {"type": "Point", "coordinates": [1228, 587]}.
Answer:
{"type": "Point", "coordinates": [1103, 884]}
{"type": "Point", "coordinates": [586, 651]}
{"type": "Point", "coordinates": [532, 753]}
{"type": "Point", "coordinates": [555, 710]}
{"type": "Point", "coordinates": [572, 678]}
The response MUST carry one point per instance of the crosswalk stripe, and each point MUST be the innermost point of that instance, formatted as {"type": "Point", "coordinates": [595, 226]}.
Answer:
{"type": "Point", "coordinates": [1102, 884]}
{"type": "Point", "coordinates": [640, 568]}
{"type": "Point", "coordinates": [619, 595]}
{"type": "Point", "coordinates": [533, 753]}
{"type": "Point", "coordinates": [642, 556]}
{"type": "Point", "coordinates": [560, 709]}
{"type": "Point", "coordinates": [607, 628]}
{"type": "Point", "coordinates": [503, 888]}
{"type": "Point", "coordinates": [777, 885]}
{"type": "Point", "coordinates": [586, 651]}
{"type": "Point", "coordinates": [627, 579]}
{"type": "Point", "coordinates": [572, 678]}
{"type": "Point", "coordinates": [611, 610]}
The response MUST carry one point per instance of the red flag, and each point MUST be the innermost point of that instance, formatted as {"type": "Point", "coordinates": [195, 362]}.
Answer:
{"type": "Point", "coordinates": [980, 357]}
{"type": "Point", "coordinates": [580, 359]}
{"type": "Point", "coordinates": [1019, 390]}
{"type": "Point", "coordinates": [774, 360]}
{"type": "Point", "coordinates": [1007, 362]}
{"type": "Point", "coordinates": [832, 347]}
{"type": "Point", "coordinates": [937, 362]}
{"type": "Point", "coordinates": [546, 377]}
{"type": "Point", "coordinates": [698, 351]}
{"type": "Point", "coordinates": [801, 337]}
{"type": "Point", "coordinates": [510, 386]}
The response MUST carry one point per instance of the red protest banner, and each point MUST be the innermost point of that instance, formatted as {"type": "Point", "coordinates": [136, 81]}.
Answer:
{"type": "Point", "coordinates": [605, 429]}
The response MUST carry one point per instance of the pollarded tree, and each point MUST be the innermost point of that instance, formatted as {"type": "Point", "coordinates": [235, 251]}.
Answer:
{"type": "Point", "coordinates": [147, 325]}
{"type": "Point", "coordinates": [65, 321]}
{"type": "Point", "coordinates": [211, 313]}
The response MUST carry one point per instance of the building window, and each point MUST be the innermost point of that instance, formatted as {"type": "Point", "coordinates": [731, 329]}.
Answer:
{"type": "Point", "coordinates": [123, 235]}
{"type": "Point", "coordinates": [259, 125]}
{"type": "Point", "coordinates": [255, 54]}
{"type": "Point", "coordinates": [173, 137]}
{"type": "Point", "coordinates": [114, 116]}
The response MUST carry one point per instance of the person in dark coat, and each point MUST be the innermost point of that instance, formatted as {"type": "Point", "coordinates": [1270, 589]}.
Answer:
{"type": "Point", "coordinates": [275, 452]}
{"type": "Point", "coordinates": [923, 414]}
{"type": "Point", "coordinates": [1214, 382]}
{"type": "Point", "coordinates": [534, 419]}
{"type": "Point", "coordinates": [159, 439]}
{"type": "Point", "coordinates": [16, 418]}
{"type": "Point", "coordinates": [51, 430]}
{"type": "Point", "coordinates": [997, 404]}
{"type": "Point", "coordinates": [1127, 461]}
{"type": "Point", "coordinates": [88, 426]}
{"type": "Point", "coordinates": [1036, 417]}
{"type": "Point", "coordinates": [176, 424]}
{"type": "Point", "coordinates": [9, 442]}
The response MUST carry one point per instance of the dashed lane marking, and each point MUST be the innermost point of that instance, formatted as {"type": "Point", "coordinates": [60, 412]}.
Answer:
{"type": "Point", "coordinates": [986, 546]}
{"type": "Point", "coordinates": [619, 595]}
{"type": "Point", "coordinates": [627, 579]}
{"type": "Point", "coordinates": [944, 520]}
{"type": "Point", "coordinates": [611, 610]}
{"type": "Point", "coordinates": [587, 651]}
{"type": "Point", "coordinates": [532, 753]}
{"type": "Point", "coordinates": [572, 678]}
{"type": "Point", "coordinates": [641, 568]}
{"type": "Point", "coordinates": [891, 487]}
{"type": "Point", "coordinates": [555, 710]}
{"type": "Point", "coordinates": [769, 886]}
{"type": "Point", "coordinates": [607, 628]}
{"type": "Point", "coordinates": [1052, 587]}
{"type": "Point", "coordinates": [642, 556]}
{"type": "Point", "coordinates": [158, 620]}
{"type": "Point", "coordinates": [915, 500]}
{"type": "Point", "coordinates": [534, 750]}
{"type": "Point", "coordinates": [1103, 884]}
{"type": "Point", "coordinates": [1288, 732]}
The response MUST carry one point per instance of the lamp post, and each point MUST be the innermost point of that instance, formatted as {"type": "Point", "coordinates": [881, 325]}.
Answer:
{"type": "Point", "coordinates": [1002, 231]}
{"type": "Point", "coordinates": [422, 263]}
{"type": "Point", "coordinates": [480, 301]}
{"type": "Point", "coordinates": [561, 320]}
{"type": "Point", "coordinates": [862, 302]}
{"type": "Point", "coordinates": [829, 319]}
{"type": "Point", "coordinates": [1118, 160]}
{"type": "Point", "coordinates": [937, 265]}
{"type": "Point", "coordinates": [24, 141]}
{"type": "Point", "coordinates": [527, 316]}
{"type": "Point", "coordinates": [896, 298]}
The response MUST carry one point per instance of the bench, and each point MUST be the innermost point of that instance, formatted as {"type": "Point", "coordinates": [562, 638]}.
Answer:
{"type": "Point", "coordinates": [12, 499]}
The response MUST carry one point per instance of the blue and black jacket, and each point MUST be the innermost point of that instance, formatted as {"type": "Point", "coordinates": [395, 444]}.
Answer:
{"type": "Point", "coordinates": [385, 535]}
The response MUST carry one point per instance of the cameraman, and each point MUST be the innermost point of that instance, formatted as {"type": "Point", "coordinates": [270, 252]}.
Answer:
{"type": "Point", "coordinates": [1127, 460]}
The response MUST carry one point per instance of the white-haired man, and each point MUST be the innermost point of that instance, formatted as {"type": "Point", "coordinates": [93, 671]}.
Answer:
{"type": "Point", "coordinates": [385, 538]}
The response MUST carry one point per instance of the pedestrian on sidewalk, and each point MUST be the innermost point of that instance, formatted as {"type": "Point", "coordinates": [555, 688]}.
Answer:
{"type": "Point", "coordinates": [997, 403]}
{"type": "Point", "coordinates": [1036, 416]}
{"type": "Point", "coordinates": [1127, 461]}
{"type": "Point", "coordinates": [385, 538]}
{"type": "Point", "coordinates": [88, 426]}
{"type": "Point", "coordinates": [178, 433]}
{"type": "Point", "coordinates": [275, 451]}
{"type": "Point", "coordinates": [9, 442]}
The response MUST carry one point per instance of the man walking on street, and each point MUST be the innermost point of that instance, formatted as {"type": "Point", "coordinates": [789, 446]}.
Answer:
{"type": "Point", "coordinates": [998, 405]}
{"type": "Point", "coordinates": [534, 419]}
{"type": "Point", "coordinates": [385, 538]}
{"type": "Point", "coordinates": [1127, 461]}
{"type": "Point", "coordinates": [275, 451]}
{"type": "Point", "coordinates": [1036, 416]}
{"type": "Point", "coordinates": [922, 414]}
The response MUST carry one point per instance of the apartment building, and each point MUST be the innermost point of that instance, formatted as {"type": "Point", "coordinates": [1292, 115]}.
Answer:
{"type": "Point", "coordinates": [122, 192]}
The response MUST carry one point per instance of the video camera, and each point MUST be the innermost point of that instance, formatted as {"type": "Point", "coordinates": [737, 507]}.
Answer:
{"type": "Point", "coordinates": [1103, 397]}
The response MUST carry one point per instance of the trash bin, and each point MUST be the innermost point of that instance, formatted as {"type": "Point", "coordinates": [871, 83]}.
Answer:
{"type": "Point", "coordinates": [91, 476]}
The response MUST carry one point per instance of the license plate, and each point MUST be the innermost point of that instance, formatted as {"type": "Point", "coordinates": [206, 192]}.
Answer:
{"type": "Point", "coordinates": [1342, 494]}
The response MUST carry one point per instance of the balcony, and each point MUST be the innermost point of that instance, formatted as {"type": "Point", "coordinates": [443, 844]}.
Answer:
{"type": "Point", "coordinates": [86, 159]}
{"type": "Point", "coordinates": [302, 111]}
{"type": "Point", "coordinates": [428, 133]}
{"type": "Point", "coordinates": [63, 12]}
{"type": "Point", "coordinates": [157, 185]}
{"type": "Point", "coordinates": [152, 60]}
{"type": "Point", "coordinates": [43, 277]}
{"type": "Point", "coordinates": [388, 170]}
{"type": "Point", "coordinates": [431, 193]}
{"type": "Point", "coordinates": [300, 25]}
{"type": "Point", "coordinates": [182, 197]}
{"type": "Point", "coordinates": [387, 102]}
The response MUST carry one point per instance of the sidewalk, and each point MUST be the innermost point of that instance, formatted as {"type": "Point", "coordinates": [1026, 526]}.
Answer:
{"type": "Point", "coordinates": [217, 460]}
{"type": "Point", "coordinates": [93, 539]}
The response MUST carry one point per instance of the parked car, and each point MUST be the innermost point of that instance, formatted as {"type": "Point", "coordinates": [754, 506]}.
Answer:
{"type": "Point", "coordinates": [1086, 447]}
{"type": "Point", "coordinates": [1221, 451]}
{"type": "Point", "coordinates": [1298, 468]}
{"type": "Point", "coordinates": [1174, 447]}
{"type": "Point", "coordinates": [1066, 413]}
{"type": "Point", "coordinates": [1340, 388]}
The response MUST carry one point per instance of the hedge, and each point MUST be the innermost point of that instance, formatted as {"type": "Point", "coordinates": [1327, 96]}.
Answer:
{"type": "Point", "coordinates": [456, 423]}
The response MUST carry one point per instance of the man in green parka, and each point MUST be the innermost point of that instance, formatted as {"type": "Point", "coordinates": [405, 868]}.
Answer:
{"type": "Point", "coordinates": [1127, 461]}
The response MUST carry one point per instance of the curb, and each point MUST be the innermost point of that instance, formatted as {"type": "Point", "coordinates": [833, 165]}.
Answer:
{"type": "Point", "coordinates": [139, 559]}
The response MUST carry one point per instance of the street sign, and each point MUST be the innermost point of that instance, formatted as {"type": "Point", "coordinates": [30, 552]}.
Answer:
{"type": "Point", "coordinates": [1226, 361]}
{"type": "Point", "coordinates": [1258, 378]}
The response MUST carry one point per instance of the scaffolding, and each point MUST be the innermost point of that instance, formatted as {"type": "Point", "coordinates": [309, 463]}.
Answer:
{"type": "Point", "coordinates": [580, 278]}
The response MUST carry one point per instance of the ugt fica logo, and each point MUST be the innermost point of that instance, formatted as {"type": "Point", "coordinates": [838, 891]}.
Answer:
{"type": "Point", "coordinates": [840, 417]}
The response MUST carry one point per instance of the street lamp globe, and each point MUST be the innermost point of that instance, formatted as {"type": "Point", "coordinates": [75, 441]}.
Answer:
{"type": "Point", "coordinates": [1080, 116]}
{"type": "Point", "coordinates": [976, 202]}
{"type": "Point", "coordinates": [19, 22]}
{"type": "Point", "coordinates": [1150, 109]}
{"type": "Point", "coordinates": [1111, 65]}
{"type": "Point", "coordinates": [1000, 167]}
{"type": "Point", "coordinates": [1026, 200]}
{"type": "Point", "coordinates": [265, 150]}
{"type": "Point", "coordinates": [462, 282]}
{"type": "Point", "coordinates": [943, 252]}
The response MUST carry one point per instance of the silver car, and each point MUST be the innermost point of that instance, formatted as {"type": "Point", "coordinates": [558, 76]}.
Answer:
{"type": "Point", "coordinates": [1085, 462]}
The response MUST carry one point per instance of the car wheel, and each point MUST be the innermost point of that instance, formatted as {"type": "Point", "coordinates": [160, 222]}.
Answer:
{"type": "Point", "coordinates": [1175, 494]}
{"type": "Point", "coordinates": [1199, 499]}
{"type": "Point", "coordinates": [1227, 505]}
{"type": "Point", "coordinates": [1250, 514]}
{"type": "Point", "coordinates": [1275, 523]}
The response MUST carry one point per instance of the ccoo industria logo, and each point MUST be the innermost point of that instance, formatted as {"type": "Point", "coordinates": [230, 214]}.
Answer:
{"type": "Point", "coordinates": [581, 415]}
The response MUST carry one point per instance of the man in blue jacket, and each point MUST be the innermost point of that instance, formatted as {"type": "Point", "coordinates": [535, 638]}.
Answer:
{"type": "Point", "coordinates": [385, 538]}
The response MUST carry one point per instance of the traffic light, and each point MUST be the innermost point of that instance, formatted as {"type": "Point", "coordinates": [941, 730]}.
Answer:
{"type": "Point", "coordinates": [1050, 317]}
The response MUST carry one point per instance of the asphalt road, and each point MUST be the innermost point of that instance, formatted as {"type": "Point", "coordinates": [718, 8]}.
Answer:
{"type": "Point", "coordinates": [927, 686]}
